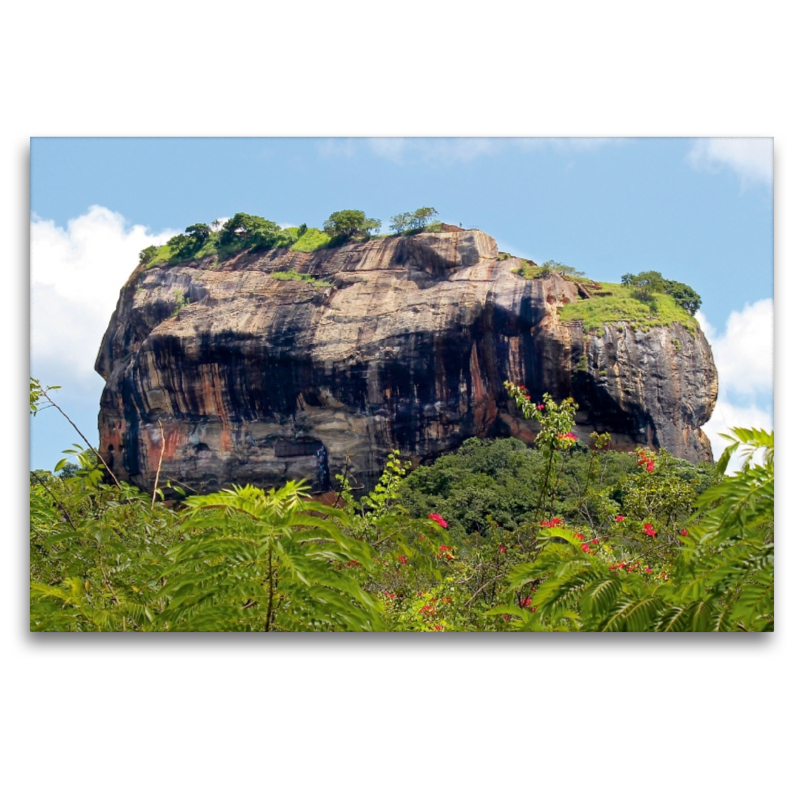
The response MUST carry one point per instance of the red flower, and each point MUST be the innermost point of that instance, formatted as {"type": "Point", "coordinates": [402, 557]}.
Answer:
{"type": "Point", "coordinates": [438, 520]}
{"type": "Point", "coordinates": [555, 521]}
{"type": "Point", "coordinates": [502, 548]}
{"type": "Point", "coordinates": [684, 532]}
{"type": "Point", "coordinates": [525, 602]}
{"type": "Point", "coordinates": [595, 541]}
{"type": "Point", "coordinates": [579, 537]}
{"type": "Point", "coordinates": [650, 466]}
{"type": "Point", "coordinates": [438, 627]}
{"type": "Point", "coordinates": [527, 397]}
{"type": "Point", "coordinates": [540, 407]}
{"type": "Point", "coordinates": [586, 548]}
{"type": "Point", "coordinates": [619, 518]}
{"type": "Point", "coordinates": [444, 547]}
{"type": "Point", "coordinates": [521, 388]}
{"type": "Point", "coordinates": [402, 560]}
{"type": "Point", "coordinates": [648, 570]}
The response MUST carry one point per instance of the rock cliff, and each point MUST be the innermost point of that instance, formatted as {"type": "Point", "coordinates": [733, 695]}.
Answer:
{"type": "Point", "coordinates": [239, 376]}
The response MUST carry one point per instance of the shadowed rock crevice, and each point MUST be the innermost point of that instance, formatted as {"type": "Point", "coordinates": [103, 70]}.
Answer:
{"type": "Point", "coordinates": [408, 348]}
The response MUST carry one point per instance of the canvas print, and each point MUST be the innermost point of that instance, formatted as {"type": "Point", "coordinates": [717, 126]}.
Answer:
{"type": "Point", "coordinates": [401, 385]}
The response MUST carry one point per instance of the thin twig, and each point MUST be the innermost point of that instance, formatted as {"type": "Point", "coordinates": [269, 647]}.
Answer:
{"type": "Point", "coordinates": [160, 459]}
{"type": "Point", "coordinates": [88, 444]}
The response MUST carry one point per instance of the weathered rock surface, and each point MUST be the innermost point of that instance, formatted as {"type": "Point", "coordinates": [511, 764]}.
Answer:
{"type": "Point", "coordinates": [408, 349]}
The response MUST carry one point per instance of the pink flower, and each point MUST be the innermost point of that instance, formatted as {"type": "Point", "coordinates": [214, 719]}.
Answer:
{"type": "Point", "coordinates": [438, 520]}
{"type": "Point", "coordinates": [540, 407]}
{"type": "Point", "coordinates": [648, 570]}
{"type": "Point", "coordinates": [586, 548]}
{"type": "Point", "coordinates": [502, 548]}
{"type": "Point", "coordinates": [619, 518]}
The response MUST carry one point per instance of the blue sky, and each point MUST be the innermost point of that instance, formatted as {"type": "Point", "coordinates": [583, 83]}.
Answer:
{"type": "Point", "coordinates": [699, 211]}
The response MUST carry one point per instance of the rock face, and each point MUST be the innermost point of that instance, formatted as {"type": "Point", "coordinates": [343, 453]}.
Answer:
{"type": "Point", "coordinates": [238, 376]}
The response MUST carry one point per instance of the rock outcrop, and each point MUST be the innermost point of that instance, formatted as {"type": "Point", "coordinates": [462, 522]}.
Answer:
{"type": "Point", "coordinates": [229, 375]}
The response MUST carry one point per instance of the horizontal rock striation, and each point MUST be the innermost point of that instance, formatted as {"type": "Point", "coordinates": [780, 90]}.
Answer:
{"type": "Point", "coordinates": [227, 374]}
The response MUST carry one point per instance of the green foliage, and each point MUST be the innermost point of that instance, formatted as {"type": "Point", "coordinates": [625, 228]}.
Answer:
{"type": "Point", "coordinates": [37, 393]}
{"type": "Point", "coordinates": [148, 254]}
{"type": "Point", "coordinates": [614, 303]}
{"type": "Point", "coordinates": [255, 560]}
{"type": "Point", "coordinates": [250, 231]}
{"type": "Point", "coordinates": [499, 536]}
{"type": "Point", "coordinates": [561, 269]}
{"type": "Point", "coordinates": [646, 285]}
{"type": "Point", "coordinates": [722, 577]}
{"type": "Point", "coordinates": [413, 221]}
{"type": "Point", "coordinates": [349, 223]}
{"type": "Point", "coordinates": [293, 275]}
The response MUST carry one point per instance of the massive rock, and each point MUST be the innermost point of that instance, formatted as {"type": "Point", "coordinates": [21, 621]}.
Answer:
{"type": "Point", "coordinates": [226, 374]}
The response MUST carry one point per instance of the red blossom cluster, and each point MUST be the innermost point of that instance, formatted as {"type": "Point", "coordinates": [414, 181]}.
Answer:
{"type": "Point", "coordinates": [619, 518]}
{"type": "Point", "coordinates": [586, 548]}
{"type": "Point", "coordinates": [353, 564]}
{"type": "Point", "coordinates": [503, 548]}
{"type": "Point", "coordinates": [578, 536]}
{"type": "Point", "coordinates": [649, 530]}
{"type": "Point", "coordinates": [553, 523]}
{"type": "Point", "coordinates": [438, 520]}
{"type": "Point", "coordinates": [645, 461]}
{"type": "Point", "coordinates": [444, 552]}
{"type": "Point", "coordinates": [402, 559]}
{"type": "Point", "coordinates": [571, 437]}
{"type": "Point", "coordinates": [624, 565]}
{"type": "Point", "coordinates": [390, 595]}
{"type": "Point", "coordinates": [540, 407]}
{"type": "Point", "coordinates": [526, 602]}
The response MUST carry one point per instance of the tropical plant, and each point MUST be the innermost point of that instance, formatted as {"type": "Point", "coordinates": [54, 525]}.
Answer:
{"type": "Point", "coordinates": [256, 560]}
{"type": "Point", "coordinates": [350, 223]}
{"type": "Point", "coordinates": [722, 579]}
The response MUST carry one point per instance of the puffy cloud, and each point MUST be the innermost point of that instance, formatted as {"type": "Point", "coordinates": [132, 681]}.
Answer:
{"type": "Point", "coordinates": [743, 355]}
{"type": "Point", "coordinates": [750, 159]}
{"type": "Point", "coordinates": [76, 276]}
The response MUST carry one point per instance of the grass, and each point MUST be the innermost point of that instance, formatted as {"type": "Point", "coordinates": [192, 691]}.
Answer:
{"type": "Point", "coordinates": [313, 239]}
{"type": "Point", "coordinates": [615, 303]}
{"type": "Point", "coordinates": [293, 275]}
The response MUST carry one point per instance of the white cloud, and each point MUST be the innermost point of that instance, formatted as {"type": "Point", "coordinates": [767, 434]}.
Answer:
{"type": "Point", "coordinates": [76, 277]}
{"type": "Point", "coordinates": [743, 355]}
{"type": "Point", "coordinates": [750, 159]}
{"type": "Point", "coordinates": [727, 416]}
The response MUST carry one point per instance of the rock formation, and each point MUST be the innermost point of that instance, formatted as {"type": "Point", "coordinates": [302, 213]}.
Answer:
{"type": "Point", "coordinates": [229, 375]}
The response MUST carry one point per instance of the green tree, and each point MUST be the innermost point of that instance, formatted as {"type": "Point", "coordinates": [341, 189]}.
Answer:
{"type": "Point", "coordinates": [249, 230]}
{"type": "Point", "coordinates": [562, 269]}
{"type": "Point", "coordinates": [350, 223]}
{"type": "Point", "coordinates": [148, 254]}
